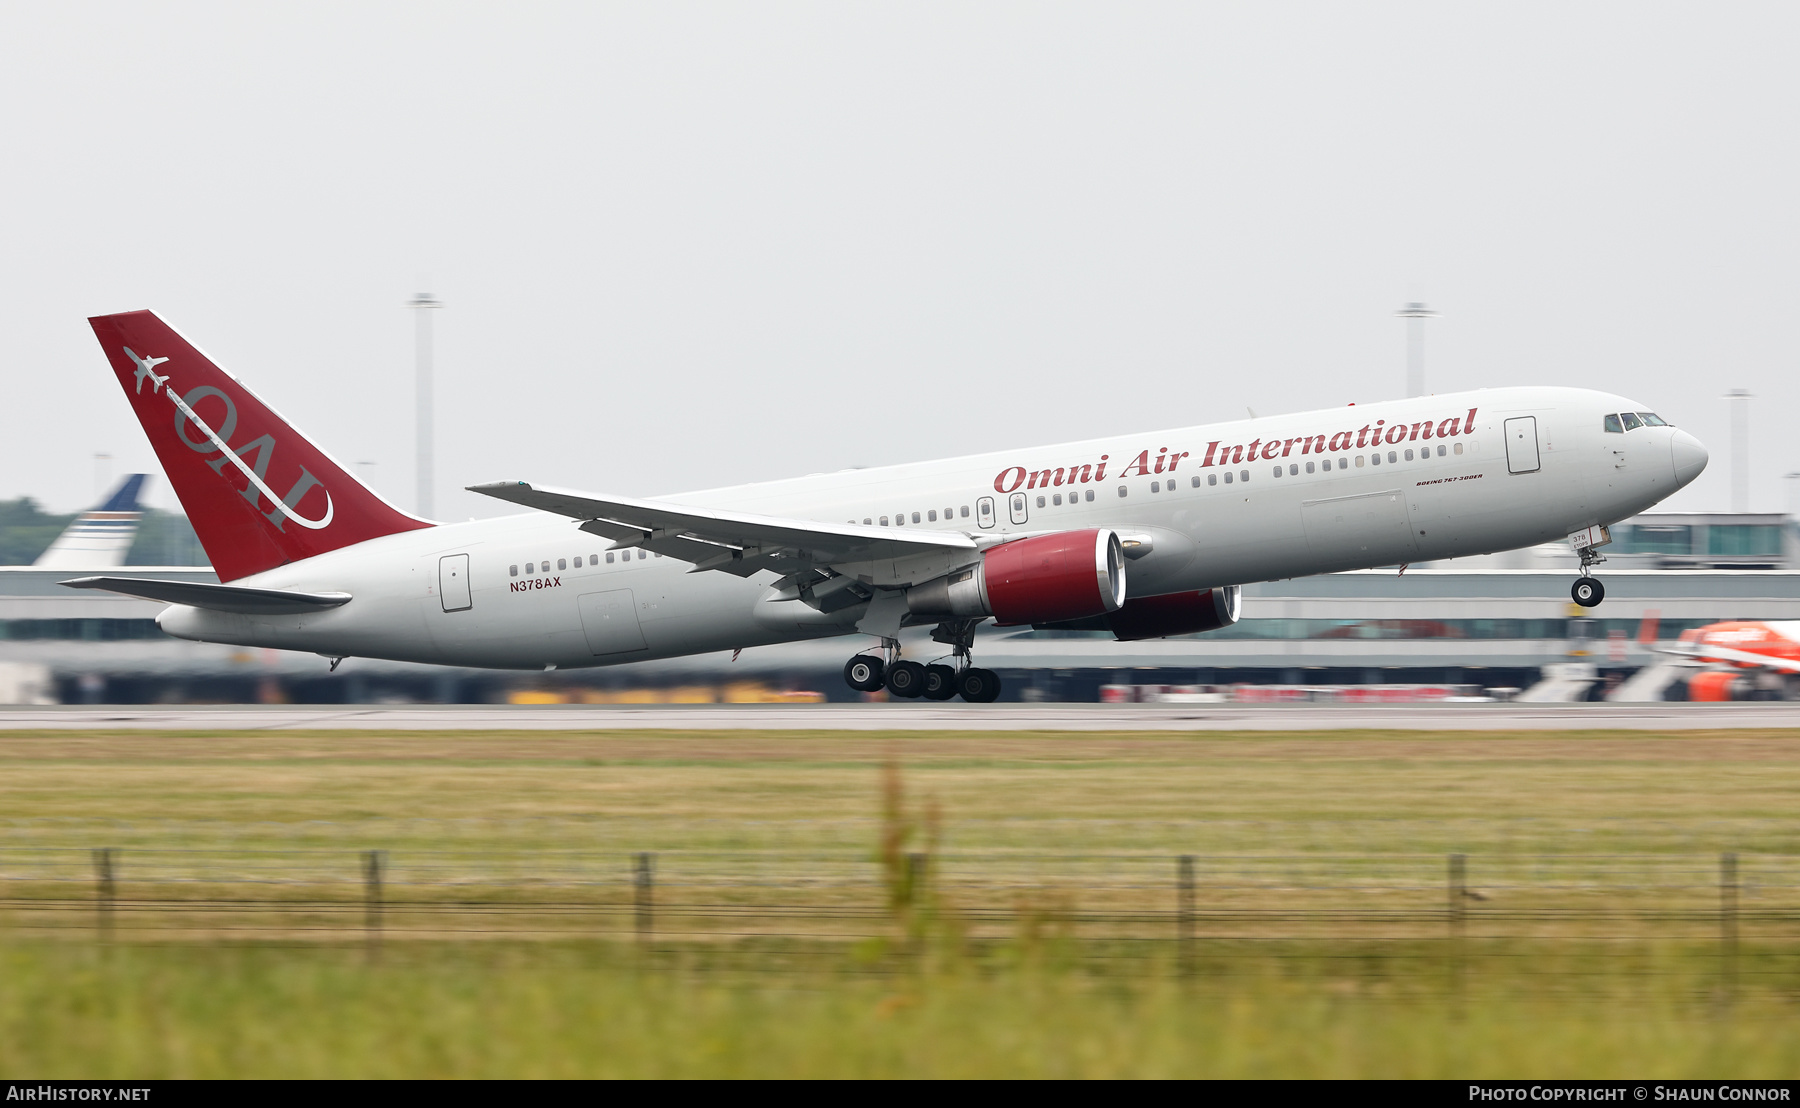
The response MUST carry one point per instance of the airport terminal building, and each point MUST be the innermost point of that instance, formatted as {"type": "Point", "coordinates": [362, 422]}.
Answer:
{"type": "Point", "coordinates": [1499, 622]}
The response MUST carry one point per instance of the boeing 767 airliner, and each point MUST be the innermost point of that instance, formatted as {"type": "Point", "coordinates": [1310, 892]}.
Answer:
{"type": "Point", "coordinates": [1144, 535]}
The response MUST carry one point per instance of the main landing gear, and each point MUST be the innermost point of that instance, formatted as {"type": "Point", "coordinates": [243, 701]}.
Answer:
{"type": "Point", "coordinates": [1588, 591]}
{"type": "Point", "coordinates": [868, 672]}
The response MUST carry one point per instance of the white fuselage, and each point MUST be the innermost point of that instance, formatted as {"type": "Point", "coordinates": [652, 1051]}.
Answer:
{"type": "Point", "coordinates": [1453, 496]}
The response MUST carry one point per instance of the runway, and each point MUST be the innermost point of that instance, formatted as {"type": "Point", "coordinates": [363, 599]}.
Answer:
{"type": "Point", "coordinates": [905, 717]}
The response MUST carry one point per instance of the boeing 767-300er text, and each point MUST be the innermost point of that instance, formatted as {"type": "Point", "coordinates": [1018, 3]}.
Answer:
{"type": "Point", "coordinates": [1142, 535]}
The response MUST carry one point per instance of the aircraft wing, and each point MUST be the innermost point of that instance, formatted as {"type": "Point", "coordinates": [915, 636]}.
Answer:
{"type": "Point", "coordinates": [1731, 654]}
{"type": "Point", "coordinates": [735, 542]}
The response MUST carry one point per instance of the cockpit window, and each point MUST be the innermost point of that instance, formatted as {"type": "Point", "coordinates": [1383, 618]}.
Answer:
{"type": "Point", "coordinates": [1651, 419]}
{"type": "Point", "coordinates": [1613, 426]}
{"type": "Point", "coordinates": [1632, 422]}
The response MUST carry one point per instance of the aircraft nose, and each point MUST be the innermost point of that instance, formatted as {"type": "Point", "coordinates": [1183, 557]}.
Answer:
{"type": "Point", "coordinates": [1689, 457]}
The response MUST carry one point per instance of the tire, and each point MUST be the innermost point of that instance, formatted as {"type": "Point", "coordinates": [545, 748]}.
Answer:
{"type": "Point", "coordinates": [978, 686]}
{"type": "Point", "coordinates": [863, 673]}
{"type": "Point", "coordinates": [906, 679]}
{"type": "Point", "coordinates": [940, 683]}
{"type": "Point", "coordinates": [1587, 592]}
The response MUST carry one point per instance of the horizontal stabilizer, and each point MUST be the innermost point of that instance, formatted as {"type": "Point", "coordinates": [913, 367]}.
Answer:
{"type": "Point", "coordinates": [220, 598]}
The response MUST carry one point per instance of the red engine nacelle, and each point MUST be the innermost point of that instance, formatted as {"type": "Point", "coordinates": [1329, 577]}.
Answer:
{"type": "Point", "coordinates": [1158, 617]}
{"type": "Point", "coordinates": [1180, 613]}
{"type": "Point", "coordinates": [1071, 575]}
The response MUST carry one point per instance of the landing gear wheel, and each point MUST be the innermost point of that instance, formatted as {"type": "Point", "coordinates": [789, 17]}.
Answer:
{"type": "Point", "coordinates": [1588, 592]}
{"type": "Point", "coordinates": [978, 686]}
{"type": "Point", "coordinates": [863, 673]}
{"type": "Point", "coordinates": [940, 683]}
{"type": "Point", "coordinates": [906, 679]}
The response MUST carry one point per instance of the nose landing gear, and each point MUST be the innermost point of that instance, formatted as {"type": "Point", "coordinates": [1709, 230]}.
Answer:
{"type": "Point", "coordinates": [1588, 591]}
{"type": "Point", "coordinates": [867, 672]}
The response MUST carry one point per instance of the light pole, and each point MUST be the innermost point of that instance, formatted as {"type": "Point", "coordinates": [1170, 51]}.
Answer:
{"type": "Point", "coordinates": [1415, 316]}
{"type": "Point", "coordinates": [1739, 399]}
{"type": "Point", "coordinates": [422, 306]}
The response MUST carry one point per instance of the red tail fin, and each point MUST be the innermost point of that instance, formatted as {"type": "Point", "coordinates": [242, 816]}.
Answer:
{"type": "Point", "coordinates": [257, 492]}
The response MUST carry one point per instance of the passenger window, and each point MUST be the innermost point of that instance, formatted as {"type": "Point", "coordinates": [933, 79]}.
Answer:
{"type": "Point", "coordinates": [1613, 426]}
{"type": "Point", "coordinates": [1278, 471]}
{"type": "Point", "coordinates": [884, 521]}
{"type": "Point", "coordinates": [1194, 480]}
{"type": "Point", "coordinates": [1393, 457]}
{"type": "Point", "coordinates": [1057, 500]}
{"type": "Point", "coordinates": [1359, 461]}
{"type": "Point", "coordinates": [1212, 478]}
{"type": "Point", "coordinates": [1090, 496]}
{"type": "Point", "coordinates": [1309, 467]}
{"type": "Point", "coordinates": [1243, 475]}
{"type": "Point", "coordinates": [965, 511]}
{"type": "Point", "coordinates": [562, 563]}
{"type": "Point", "coordinates": [1409, 455]}
{"type": "Point", "coordinates": [866, 521]}
{"type": "Point", "coordinates": [1632, 422]}
{"type": "Point", "coordinates": [931, 515]}
{"type": "Point", "coordinates": [1440, 450]}
{"type": "Point", "coordinates": [1651, 419]}
{"type": "Point", "coordinates": [1294, 470]}
{"type": "Point", "coordinates": [1121, 491]}
{"type": "Point", "coordinates": [1457, 449]}
{"type": "Point", "coordinates": [530, 568]}
{"type": "Point", "coordinates": [512, 571]}
{"type": "Point", "coordinates": [609, 558]}
{"type": "Point", "coordinates": [1228, 477]}
{"type": "Point", "coordinates": [1156, 486]}
{"type": "Point", "coordinates": [1375, 459]}
{"type": "Point", "coordinates": [1040, 502]}
{"type": "Point", "coordinates": [915, 517]}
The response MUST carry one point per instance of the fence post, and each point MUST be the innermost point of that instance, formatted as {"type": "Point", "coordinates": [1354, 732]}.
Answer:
{"type": "Point", "coordinates": [643, 885]}
{"type": "Point", "coordinates": [1184, 913]}
{"type": "Point", "coordinates": [374, 863]}
{"type": "Point", "coordinates": [916, 866]}
{"type": "Point", "coordinates": [1728, 917]}
{"type": "Point", "coordinates": [1459, 898]}
{"type": "Point", "coordinates": [105, 892]}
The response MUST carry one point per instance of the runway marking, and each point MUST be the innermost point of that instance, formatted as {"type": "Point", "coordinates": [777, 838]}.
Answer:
{"type": "Point", "coordinates": [908, 717]}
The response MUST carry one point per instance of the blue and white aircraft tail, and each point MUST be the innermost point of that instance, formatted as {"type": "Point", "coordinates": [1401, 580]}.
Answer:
{"type": "Point", "coordinates": [99, 538]}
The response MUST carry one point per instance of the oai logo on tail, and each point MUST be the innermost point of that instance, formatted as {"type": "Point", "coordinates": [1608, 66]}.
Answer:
{"type": "Point", "coordinates": [283, 505]}
{"type": "Point", "coordinates": [145, 366]}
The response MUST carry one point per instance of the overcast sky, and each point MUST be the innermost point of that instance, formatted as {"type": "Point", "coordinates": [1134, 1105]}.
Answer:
{"type": "Point", "coordinates": [689, 245]}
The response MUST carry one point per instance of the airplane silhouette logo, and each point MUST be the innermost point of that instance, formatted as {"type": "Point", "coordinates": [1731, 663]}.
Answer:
{"type": "Point", "coordinates": [145, 368]}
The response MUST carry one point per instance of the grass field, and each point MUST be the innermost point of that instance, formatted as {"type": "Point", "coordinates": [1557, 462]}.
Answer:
{"type": "Point", "coordinates": [1061, 824]}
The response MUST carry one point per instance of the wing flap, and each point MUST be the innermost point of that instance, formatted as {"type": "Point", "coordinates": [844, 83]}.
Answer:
{"type": "Point", "coordinates": [734, 542]}
{"type": "Point", "coordinates": [240, 599]}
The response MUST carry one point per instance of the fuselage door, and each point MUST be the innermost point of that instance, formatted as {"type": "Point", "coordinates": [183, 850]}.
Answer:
{"type": "Point", "coordinates": [984, 511]}
{"type": "Point", "coordinates": [1017, 507]}
{"type": "Point", "coordinates": [1522, 445]}
{"type": "Point", "coordinates": [453, 582]}
{"type": "Point", "coordinates": [610, 622]}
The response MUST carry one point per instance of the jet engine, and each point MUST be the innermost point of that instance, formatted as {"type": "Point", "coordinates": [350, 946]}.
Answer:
{"type": "Point", "coordinates": [1157, 617]}
{"type": "Point", "coordinates": [1069, 575]}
